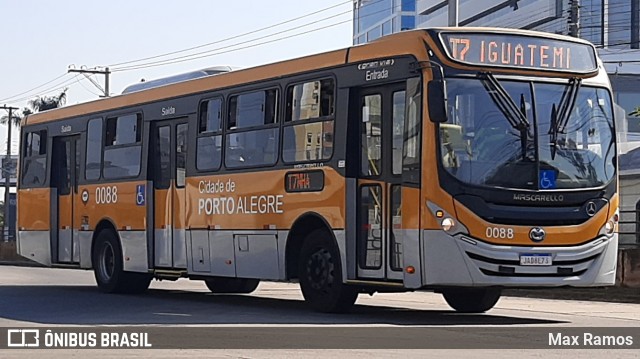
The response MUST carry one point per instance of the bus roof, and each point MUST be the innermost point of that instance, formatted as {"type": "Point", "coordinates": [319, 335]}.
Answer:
{"type": "Point", "coordinates": [407, 42]}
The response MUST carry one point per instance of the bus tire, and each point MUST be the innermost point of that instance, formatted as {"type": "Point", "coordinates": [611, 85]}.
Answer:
{"type": "Point", "coordinates": [108, 267]}
{"type": "Point", "coordinates": [471, 300]}
{"type": "Point", "coordinates": [320, 275]}
{"type": "Point", "coordinates": [220, 285]}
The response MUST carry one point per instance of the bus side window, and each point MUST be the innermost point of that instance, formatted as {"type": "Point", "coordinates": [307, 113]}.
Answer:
{"type": "Point", "coordinates": [252, 139]}
{"type": "Point", "coordinates": [308, 127]}
{"type": "Point", "coordinates": [181, 154]}
{"type": "Point", "coordinates": [209, 140]}
{"type": "Point", "coordinates": [123, 148]}
{"type": "Point", "coordinates": [94, 149]}
{"type": "Point", "coordinates": [35, 159]}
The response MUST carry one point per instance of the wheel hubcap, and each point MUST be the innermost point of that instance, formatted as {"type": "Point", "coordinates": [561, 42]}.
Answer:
{"type": "Point", "coordinates": [320, 270]}
{"type": "Point", "coordinates": [107, 263]}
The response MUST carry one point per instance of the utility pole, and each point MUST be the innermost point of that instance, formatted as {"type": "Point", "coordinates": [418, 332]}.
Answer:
{"type": "Point", "coordinates": [574, 21]}
{"type": "Point", "coordinates": [104, 72]}
{"type": "Point", "coordinates": [453, 13]}
{"type": "Point", "coordinates": [6, 172]}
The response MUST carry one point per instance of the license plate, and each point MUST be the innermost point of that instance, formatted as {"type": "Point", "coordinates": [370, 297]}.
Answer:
{"type": "Point", "coordinates": [536, 260]}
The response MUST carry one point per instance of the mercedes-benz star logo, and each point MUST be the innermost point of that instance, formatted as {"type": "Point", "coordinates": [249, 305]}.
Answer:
{"type": "Point", "coordinates": [537, 234]}
{"type": "Point", "coordinates": [591, 208]}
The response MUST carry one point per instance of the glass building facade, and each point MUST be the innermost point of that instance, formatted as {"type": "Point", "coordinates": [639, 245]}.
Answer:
{"type": "Point", "coordinates": [375, 18]}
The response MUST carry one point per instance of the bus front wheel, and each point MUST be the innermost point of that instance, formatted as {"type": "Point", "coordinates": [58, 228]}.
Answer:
{"type": "Point", "coordinates": [471, 300]}
{"type": "Point", "coordinates": [108, 267]}
{"type": "Point", "coordinates": [320, 274]}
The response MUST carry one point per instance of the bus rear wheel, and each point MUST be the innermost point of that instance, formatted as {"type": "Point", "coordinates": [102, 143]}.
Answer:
{"type": "Point", "coordinates": [320, 274]}
{"type": "Point", "coordinates": [471, 300]}
{"type": "Point", "coordinates": [108, 267]}
{"type": "Point", "coordinates": [221, 285]}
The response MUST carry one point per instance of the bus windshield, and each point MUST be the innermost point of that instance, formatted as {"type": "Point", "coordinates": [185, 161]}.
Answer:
{"type": "Point", "coordinates": [530, 144]}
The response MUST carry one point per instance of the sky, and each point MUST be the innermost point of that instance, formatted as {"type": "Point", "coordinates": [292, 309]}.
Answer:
{"type": "Point", "coordinates": [41, 39]}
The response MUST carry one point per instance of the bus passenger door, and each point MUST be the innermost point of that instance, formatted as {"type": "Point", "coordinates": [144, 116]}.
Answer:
{"type": "Point", "coordinates": [168, 159]}
{"type": "Point", "coordinates": [379, 217]}
{"type": "Point", "coordinates": [64, 177]}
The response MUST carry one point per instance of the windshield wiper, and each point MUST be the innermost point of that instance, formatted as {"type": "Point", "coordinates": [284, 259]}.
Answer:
{"type": "Point", "coordinates": [560, 115]}
{"type": "Point", "coordinates": [517, 117]}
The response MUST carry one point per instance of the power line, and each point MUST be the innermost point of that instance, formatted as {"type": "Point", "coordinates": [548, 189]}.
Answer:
{"type": "Point", "coordinates": [211, 52]}
{"type": "Point", "coordinates": [66, 82]}
{"type": "Point", "coordinates": [533, 15]}
{"type": "Point", "coordinates": [217, 51]}
{"type": "Point", "coordinates": [104, 72]}
{"type": "Point", "coordinates": [195, 55]}
{"type": "Point", "coordinates": [35, 88]}
{"type": "Point", "coordinates": [88, 90]}
{"type": "Point", "coordinates": [59, 86]}
{"type": "Point", "coordinates": [232, 37]}
{"type": "Point", "coordinates": [168, 62]}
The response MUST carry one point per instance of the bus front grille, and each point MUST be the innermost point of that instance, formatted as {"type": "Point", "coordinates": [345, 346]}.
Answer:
{"type": "Point", "coordinates": [512, 267]}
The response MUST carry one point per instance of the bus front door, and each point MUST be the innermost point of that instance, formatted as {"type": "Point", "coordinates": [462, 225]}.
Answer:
{"type": "Point", "coordinates": [64, 178]}
{"type": "Point", "coordinates": [168, 160]}
{"type": "Point", "coordinates": [379, 216]}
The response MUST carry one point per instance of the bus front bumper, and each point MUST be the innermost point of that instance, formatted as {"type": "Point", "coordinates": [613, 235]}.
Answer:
{"type": "Point", "coordinates": [464, 261]}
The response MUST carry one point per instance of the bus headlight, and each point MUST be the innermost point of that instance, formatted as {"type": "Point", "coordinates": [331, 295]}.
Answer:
{"type": "Point", "coordinates": [447, 224]}
{"type": "Point", "coordinates": [609, 228]}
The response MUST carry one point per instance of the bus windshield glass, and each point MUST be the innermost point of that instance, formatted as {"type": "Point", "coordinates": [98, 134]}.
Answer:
{"type": "Point", "coordinates": [514, 134]}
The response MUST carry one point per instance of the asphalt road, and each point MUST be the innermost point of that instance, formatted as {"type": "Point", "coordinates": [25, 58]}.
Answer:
{"type": "Point", "coordinates": [53, 298]}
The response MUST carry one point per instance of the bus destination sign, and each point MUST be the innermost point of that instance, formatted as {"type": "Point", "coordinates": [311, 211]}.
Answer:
{"type": "Point", "coordinates": [304, 181]}
{"type": "Point", "coordinates": [518, 51]}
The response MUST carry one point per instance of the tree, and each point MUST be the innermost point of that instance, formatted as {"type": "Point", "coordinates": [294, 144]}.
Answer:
{"type": "Point", "coordinates": [37, 104]}
{"type": "Point", "coordinates": [49, 102]}
{"type": "Point", "coordinates": [16, 117]}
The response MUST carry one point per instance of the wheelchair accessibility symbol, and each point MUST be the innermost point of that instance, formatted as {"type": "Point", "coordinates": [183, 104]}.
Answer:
{"type": "Point", "coordinates": [547, 179]}
{"type": "Point", "coordinates": [140, 195]}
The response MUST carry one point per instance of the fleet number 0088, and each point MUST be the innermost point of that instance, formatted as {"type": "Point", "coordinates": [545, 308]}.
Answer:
{"type": "Point", "coordinates": [499, 232]}
{"type": "Point", "coordinates": [106, 195]}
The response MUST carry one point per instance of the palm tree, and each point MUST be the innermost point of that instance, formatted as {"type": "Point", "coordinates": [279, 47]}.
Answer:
{"type": "Point", "coordinates": [49, 102]}
{"type": "Point", "coordinates": [15, 120]}
{"type": "Point", "coordinates": [15, 117]}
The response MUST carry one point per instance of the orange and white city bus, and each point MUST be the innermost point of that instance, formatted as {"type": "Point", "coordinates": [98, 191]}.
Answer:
{"type": "Point", "coordinates": [462, 161]}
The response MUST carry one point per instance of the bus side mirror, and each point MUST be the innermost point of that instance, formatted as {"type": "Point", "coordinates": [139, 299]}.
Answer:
{"type": "Point", "coordinates": [437, 101]}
